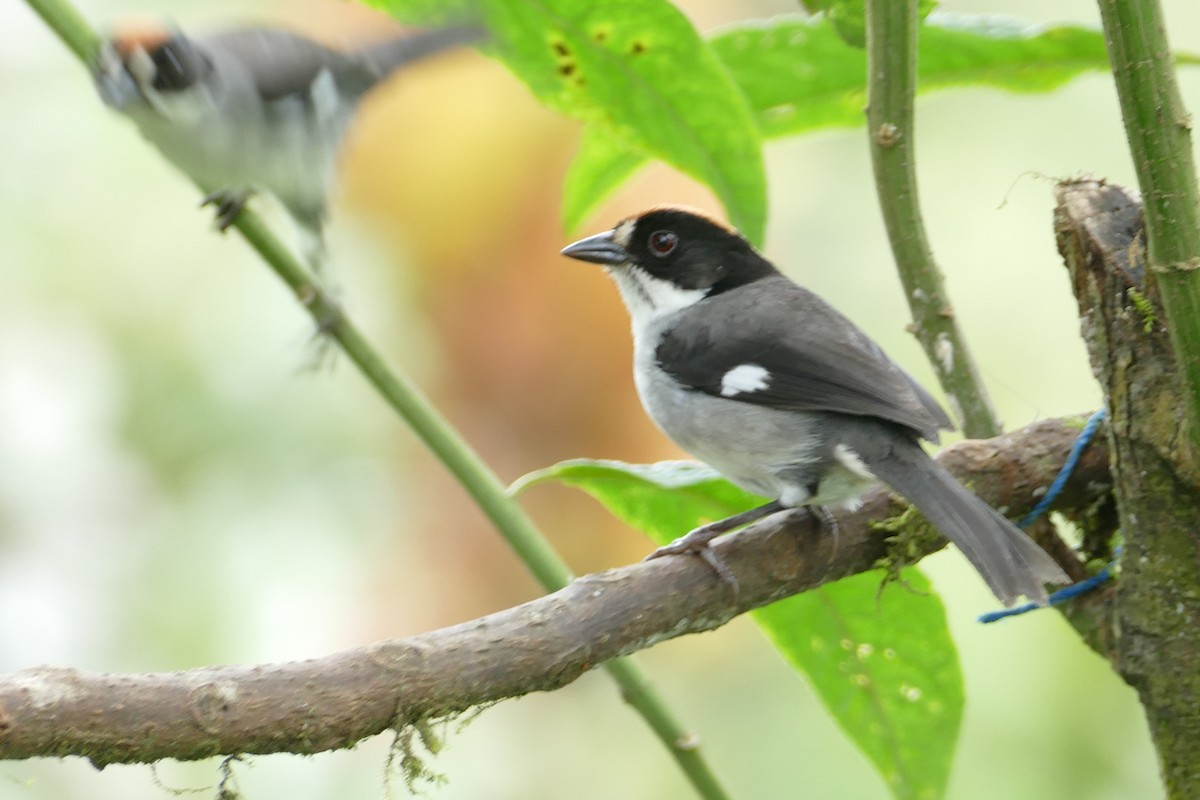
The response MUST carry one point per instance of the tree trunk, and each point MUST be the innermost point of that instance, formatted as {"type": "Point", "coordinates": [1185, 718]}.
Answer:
{"type": "Point", "coordinates": [1153, 620]}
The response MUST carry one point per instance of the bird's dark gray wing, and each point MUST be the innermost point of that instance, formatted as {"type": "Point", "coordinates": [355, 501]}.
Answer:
{"type": "Point", "coordinates": [283, 63]}
{"type": "Point", "coordinates": [817, 360]}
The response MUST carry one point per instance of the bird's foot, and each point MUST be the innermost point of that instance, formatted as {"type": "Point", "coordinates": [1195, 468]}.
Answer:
{"type": "Point", "coordinates": [826, 519]}
{"type": "Point", "coordinates": [698, 542]}
{"type": "Point", "coordinates": [329, 319]}
{"type": "Point", "coordinates": [228, 204]}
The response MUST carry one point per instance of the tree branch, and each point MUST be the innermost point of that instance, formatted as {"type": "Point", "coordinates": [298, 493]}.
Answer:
{"type": "Point", "coordinates": [333, 702]}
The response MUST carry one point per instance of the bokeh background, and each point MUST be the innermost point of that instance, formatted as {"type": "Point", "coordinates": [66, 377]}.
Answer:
{"type": "Point", "coordinates": [178, 487]}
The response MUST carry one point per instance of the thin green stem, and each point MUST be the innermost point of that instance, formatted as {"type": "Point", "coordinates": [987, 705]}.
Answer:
{"type": "Point", "coordinates": [64, 20]}
{"type": "Point", "coordinates": [1159, 131]}
{"type": "Point", "coordinates": [408, 401]}
{"type": "Point", "coordinates": [483, 485]}
{"type": "Point", "coordinates": [637, 690]}
{"type": "Point", "coordinates": [891, 86]}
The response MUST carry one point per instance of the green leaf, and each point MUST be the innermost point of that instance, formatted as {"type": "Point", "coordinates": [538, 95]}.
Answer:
{"type": "Point", "coordinates": [663, 500]}
{"type": "Point", "coordinates": [883, 664]}
{"type": "Point", "coordinates": [849, 17]}
{"type": "Point", "coordinates": [642, 78]}
{"type": "Point", "coordinates": [638, 72]}
{"type": "Point", "coordinates": [600, 166]}
{"type": "Point", "coordinates": [885, 667]}
{"type": "Point", "coordinates": [799, 75]}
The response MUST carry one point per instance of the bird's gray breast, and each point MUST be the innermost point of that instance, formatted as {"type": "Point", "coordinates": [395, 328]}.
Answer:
{"type": "Point", "coordinates": [227, 135]}
{"type": "Point", "coordinates": [764, 450]}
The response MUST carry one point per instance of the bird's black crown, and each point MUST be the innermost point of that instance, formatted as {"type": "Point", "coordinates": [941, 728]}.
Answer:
{"type": "Point", "coordinates": [691, 250]}
{"type": "Point", "coordinates": [178, 64]}
{"type": "Point", "coordinates": [158, 57]}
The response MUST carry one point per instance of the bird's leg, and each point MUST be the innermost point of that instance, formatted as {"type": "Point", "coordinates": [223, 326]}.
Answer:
{"type": "Point", "coordinates": [229, 203]}
{"type": "Point", "coordinates": [827, 520]}
{"type": "Point", "coordinates": [322, 356]}
{"type": "Point", "coordinates": [697, 541]}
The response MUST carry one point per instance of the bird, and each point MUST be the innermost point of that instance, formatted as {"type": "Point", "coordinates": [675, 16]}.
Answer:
{"type": "Point", "coordinates": [783, 395]}
{"type": "Point", "coordinates": [252, 108]}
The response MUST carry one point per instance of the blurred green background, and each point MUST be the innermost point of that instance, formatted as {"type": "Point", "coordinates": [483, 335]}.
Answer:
{"type": "Point", "coordinates": [179, 488]}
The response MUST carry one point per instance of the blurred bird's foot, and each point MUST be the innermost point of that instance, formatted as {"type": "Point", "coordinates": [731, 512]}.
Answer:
{"type": "Point", "coordinates": [828, 521]}
{"type": "Point", "coordinates": [698, 541]}
{"type": "Point", "coordinates": [228, 203]}
{"type": "Point", "coordinates": [329, 318]}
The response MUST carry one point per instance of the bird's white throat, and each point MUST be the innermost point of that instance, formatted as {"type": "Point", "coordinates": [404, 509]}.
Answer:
{"type": "Point", "coordinates": [648, 298]}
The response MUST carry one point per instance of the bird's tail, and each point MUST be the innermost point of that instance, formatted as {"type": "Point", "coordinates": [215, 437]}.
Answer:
{"type": "Point", "coordinates": [385, 57]}
{"type": "Point", "coordinates": [1010, 562]}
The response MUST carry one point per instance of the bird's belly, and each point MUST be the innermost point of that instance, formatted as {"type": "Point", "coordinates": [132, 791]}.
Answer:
{"type": "Point", "coordinates": [292, 161]}
{"type": "Point", "coordinates": [763, 450]}
{"type": "Point", "coordinates": [784, 455]}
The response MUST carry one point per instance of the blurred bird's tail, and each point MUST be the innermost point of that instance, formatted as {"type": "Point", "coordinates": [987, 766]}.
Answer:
{"type": "Point", "coordinates": [386, 57]}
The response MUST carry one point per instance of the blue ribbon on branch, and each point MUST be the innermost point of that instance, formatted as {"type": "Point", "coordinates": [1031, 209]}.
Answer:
{"type": "Point", "coordinates": [1052, 493]}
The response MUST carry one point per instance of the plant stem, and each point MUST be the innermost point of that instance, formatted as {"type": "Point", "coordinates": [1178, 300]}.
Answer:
{"type": "Point", "coordinates": [891, 86]}
{"type": "Point", "coordinates": [407, 400]}
{"type": "Point", "coordinates": [64, 20]}
{"type": "Point", "coordinates": [1153, 479]}
{"type": "Point", "coordinates": [1159, 131]}
{"type": "Point", "coordinates": [483, 485]}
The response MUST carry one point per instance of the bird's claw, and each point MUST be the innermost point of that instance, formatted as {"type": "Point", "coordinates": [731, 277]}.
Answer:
{"type": "Point", "coordinates": [720, 567]}
{"type": "Point", "coordinates": [229, 205]}
{"type": "Point", "coordinates": [698, 543]}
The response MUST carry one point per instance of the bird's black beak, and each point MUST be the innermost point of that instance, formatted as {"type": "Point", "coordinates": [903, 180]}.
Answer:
{"type": "Point", "coordinates": [599, 249]}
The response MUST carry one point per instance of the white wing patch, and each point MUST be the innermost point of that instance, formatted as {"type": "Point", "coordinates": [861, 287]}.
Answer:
{"type": "Point", "coordinates": [851, 462]}
{"type": "Point", "coordinates": [744, 378]}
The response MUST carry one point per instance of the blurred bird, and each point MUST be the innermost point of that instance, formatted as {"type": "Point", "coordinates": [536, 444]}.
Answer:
{"type": "Point", "coordinates": [253, 109]}
{"type": "Point", "coordinates": [770, 385]}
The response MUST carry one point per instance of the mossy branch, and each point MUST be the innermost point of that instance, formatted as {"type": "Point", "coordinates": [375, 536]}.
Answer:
{"type": "Point", "coordinates": [891, 86]}
{"type": "Point", "coordinates": [333, 702]}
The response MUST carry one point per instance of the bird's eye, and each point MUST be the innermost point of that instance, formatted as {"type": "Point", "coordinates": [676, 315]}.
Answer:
{"type": "Point", "coordinates": [662, 243]}
{"type": "Point", "coordinates": [171, 71]}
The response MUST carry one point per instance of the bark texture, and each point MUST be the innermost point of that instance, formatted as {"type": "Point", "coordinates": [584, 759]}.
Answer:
{"type": "Point", "coordinates": [1153, 620]}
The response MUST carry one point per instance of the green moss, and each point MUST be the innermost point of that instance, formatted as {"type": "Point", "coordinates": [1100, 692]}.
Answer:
{"type": "Point", "coordinates": [1077, 422]}
{"type": "Point", "coordinates": [413, 743]}
{"type": "Point", "coordinates": [227, 788]}
{"type": "Point", "coordinates": [1144, 307]}
{"type": "Point", "coordinates": [910, 538]}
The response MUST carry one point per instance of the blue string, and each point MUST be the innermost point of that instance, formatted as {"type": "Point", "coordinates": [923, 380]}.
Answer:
{"type": "Point", "coordinates": [1052, 493]}
{"type": "Point", "coordinates": [1068, 467]}
{"type": "Point", "coordinates": [1061, 596]}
